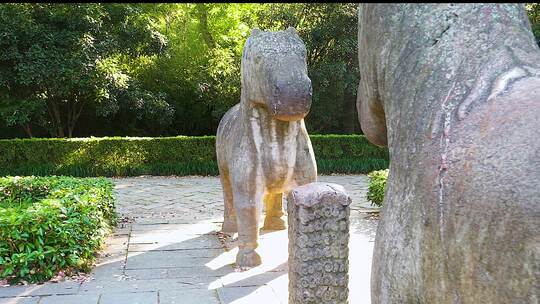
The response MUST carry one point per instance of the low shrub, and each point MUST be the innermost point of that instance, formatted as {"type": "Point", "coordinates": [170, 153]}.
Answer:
{"type": "Point", "coordinates": [377, 185]}
{"type": "Point", "coordinates": [48, 224]}
{"type": "Point", "coordinates": [181, 155]}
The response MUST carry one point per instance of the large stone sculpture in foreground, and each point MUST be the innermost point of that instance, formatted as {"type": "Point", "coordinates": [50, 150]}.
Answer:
{"type": "Point", "coordinates": [454, 91]}
{"type": "Point", "coordinates": [318, 244]}
{"type": "Point", "coordinates": [263, 148]}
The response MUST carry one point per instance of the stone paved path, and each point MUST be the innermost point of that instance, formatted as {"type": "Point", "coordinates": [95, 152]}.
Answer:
{"type": "Point", "coordinates": [169, 251]}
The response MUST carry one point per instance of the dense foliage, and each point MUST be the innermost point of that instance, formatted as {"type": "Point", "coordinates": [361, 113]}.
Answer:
{"type": "Point", "coordinates": [59, 60]}
{"type": "Point", "coordinates": [182, 155]}
{"type": "Point", "coordinates": [162, 69]}
{"type": "Point", "coordinates": [158, 69]}
{"type": "Point", "coordinates": [533, 10]}
{"type": "Point", "coordinates": [377, 186]}
{"type": "Point", "coordinates": [49, 224]}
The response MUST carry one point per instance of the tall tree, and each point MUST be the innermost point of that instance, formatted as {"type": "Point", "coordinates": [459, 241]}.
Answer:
{"type": "Point", "coordinates": [58, 59]}
{"type": "Point", "coordinates": [200, 71]}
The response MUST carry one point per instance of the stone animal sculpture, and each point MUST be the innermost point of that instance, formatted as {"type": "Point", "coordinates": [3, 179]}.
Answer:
{"type": "Point", "coordinates": [263, 148]}
{"type": "Point", "coordinates": [454, 91]}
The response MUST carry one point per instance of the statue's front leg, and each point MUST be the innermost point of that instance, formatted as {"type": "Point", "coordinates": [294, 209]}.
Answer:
{"type": "Point", "coordinates": [248, 213]}
{"type": "Point", "coordinates": [274, 212]}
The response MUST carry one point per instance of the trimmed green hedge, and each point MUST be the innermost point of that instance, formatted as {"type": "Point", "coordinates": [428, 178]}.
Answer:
{"type": "Point", "coordinates": [48, 224]}
{"type": "Point", "coordinates": [181, 155]}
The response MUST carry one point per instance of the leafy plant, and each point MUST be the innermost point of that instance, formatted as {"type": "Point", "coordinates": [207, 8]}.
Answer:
{"type": "Point", "coordinates": [49, 224]}
{"type": "Point", "coordinates": [377, 186]}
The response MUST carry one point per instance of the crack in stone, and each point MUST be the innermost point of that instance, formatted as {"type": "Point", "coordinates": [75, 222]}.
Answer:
{"type": "Point", "coordinates": [452, 19]}
{"type": "Point", "coordinates": [127, 251]}
{"type": "Point", "coordinates": [438, 38]}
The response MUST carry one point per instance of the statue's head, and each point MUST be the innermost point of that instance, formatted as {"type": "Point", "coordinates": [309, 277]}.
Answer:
{"type": "Point", "coordinates": [274, 73]}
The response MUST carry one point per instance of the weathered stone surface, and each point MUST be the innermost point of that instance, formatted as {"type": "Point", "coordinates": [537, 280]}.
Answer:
{"type": "Point", "coordinates": [454, 91]}
{"type": "Point", "coordinates": [318, 244]}
{"type": "Point", "coordinates": [262, 145]}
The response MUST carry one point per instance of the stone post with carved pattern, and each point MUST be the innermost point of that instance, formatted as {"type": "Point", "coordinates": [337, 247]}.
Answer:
{"type": "Point", "coordinates": [318, 215]}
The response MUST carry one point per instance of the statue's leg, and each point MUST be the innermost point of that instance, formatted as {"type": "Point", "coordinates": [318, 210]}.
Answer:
{"type": "Point", "coordinates": [274, 212]}
{"type": "Point", "coordinates": [229, 215]}
{"type": "Point", "coordinates": [248, 214]}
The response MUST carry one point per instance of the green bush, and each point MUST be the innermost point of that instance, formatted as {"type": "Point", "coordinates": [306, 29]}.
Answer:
{"type": "Point", "coordinates": [377, 185]}
{"type": "Point", "coordinates": [181, 155]}
{"type": "Point", "coordinates": [48, 224]}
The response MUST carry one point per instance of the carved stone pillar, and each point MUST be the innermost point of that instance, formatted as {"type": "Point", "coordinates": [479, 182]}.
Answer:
{"type": "Point", "coordinates": [318, 244]}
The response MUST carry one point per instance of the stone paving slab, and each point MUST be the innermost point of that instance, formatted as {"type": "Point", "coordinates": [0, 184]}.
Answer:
{"type": "Point", "coordinates": [176, 272]}
{"type": "Point", "coordinates": [200, 242]}
{"type": "Point", "coordinates": [112, 271]}
{"type": "Point", "coordinates": [198, 228]}
{"type": "Point", "coordinates": [130, 298]}
{"type": "Point", "coordinates": [138, 286]}
{"type": "Point", "coordinates": [70, 299]}
{"type": "Point", "coordinates": [190, 296]}
{"type": "Point", "coordinates": [18, 300]}
{"type": "Point", "coordinates": [168, 250]}
{"type": "Point", "coordinates": [64, 288]}
{"type": "Point", "coordinates": [160, 236]}
{"type": "Point", "coordinates": [256, 280]}
{"type": "Point", "coordinates": [280, 286]}
{"type": "Point", "coordinates": [166, 259]}
{"type": "Point", "coordinates": [248, 295]}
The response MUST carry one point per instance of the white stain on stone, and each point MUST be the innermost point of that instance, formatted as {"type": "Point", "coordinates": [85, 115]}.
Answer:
{"type": "Point", "coordinates": [256, 131]}
{"type": "Point", "coordinates": [502, 82]}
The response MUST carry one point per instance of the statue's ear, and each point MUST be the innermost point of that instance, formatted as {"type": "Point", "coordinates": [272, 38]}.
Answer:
{"type": "Point", "coordinates": [292, 31]}
{"type": "Point", "coordinates": [255, 31]}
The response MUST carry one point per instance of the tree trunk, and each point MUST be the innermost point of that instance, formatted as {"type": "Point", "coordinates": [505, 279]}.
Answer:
{"type": "Point", "coordinates": [454, 90]}
{"type": "Point", "coordinates": [74, 112]}
{"type": "Point", "coordinates": [56, 118]}
{"type": "Point", "coordinates": [202, 15]}
{"type": "Point", "coordinates": [27, 130]}
{"type": "Point", "coordinates": [349, 118]}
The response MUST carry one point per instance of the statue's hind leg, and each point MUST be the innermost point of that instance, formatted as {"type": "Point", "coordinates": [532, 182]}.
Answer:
{"type": "Point", "coordinates": [274, 212]}
{"type": "Point", "coordinates": [229, 215]}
